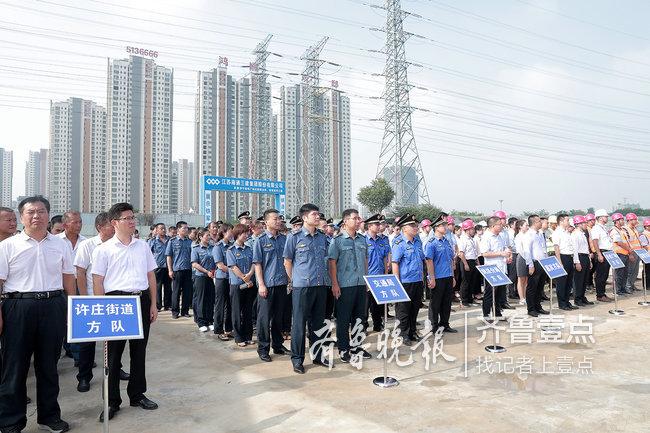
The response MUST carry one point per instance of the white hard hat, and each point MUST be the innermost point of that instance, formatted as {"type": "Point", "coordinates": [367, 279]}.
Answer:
{"type": "Point", "coordinates": [601, 213]}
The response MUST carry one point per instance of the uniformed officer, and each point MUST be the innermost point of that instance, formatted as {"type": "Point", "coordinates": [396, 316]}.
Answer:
{"type": "Point", "coordinates": [179, 267]}
{"type": "Point", "coordinates": [272, 287]}
{"type": "Point", "coordinates": [348, 263]}
{"type": "Point", "coordinates": [222, 307]}
{"type": "Point", "coordinates": [408, 266]}
{"type": "Point", "coordinates": [304, 262]}
{"type": "Point", "coordinates": [158, 247]}
{"type": "Point", "coordinates": [124, 265]}
{"type": "Point", "coordinates": [83, 265]}
{"type": "Point", "coordinates": [239, 258]}
{"type": "Point", "coordinates": [204, 267]}
{"type": "Point", "coordinates": [378, 253]}
{"type": "Point", "coordinates": [439, 255]}
{"type": "Point", "coordinates": [296, 223]}
{"type": "Point", "coordinates": [8, 223]}
{"type": "Point", "coordinates": [35, 268]}
{"type": "Point", "coordinates": [245, 218]}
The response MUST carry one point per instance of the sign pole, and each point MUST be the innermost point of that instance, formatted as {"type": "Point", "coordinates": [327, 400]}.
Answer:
{"type": "Point", "coordinates": [645, 302]}
{"type": "Point", "coordinates": [105, 386]}
{"type": "Point", "coordinates": [385, 381]}
{"type": "Point", "coordinates": [550, 299]}
{"type": "Point", "coordinates": [494, 348]}
{"type": "Point", "coordinates": [615, 311]}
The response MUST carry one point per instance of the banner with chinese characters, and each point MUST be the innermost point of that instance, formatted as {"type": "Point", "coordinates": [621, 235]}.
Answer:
{"type": "Point", "coordinates": [493, 275]}
{"type": "Point", "coordinates": [614, 261]}
{"type": "Point", "coordinates": [99, 318]}
{"type": "Point", "coordinates": [386, 289]}
{"type": "Point", "coordinates": [552, 267]}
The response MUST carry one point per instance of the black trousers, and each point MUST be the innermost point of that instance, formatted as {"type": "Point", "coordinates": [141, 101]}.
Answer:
{"type": "Point", "coordinates": [270, 315]}
{"type": "Point", "coordinates": [407, 312]}
{"type": "Point", "coordinates": [562, 287]}
{"type": "Point", "coordinates": [330, 303]}
{"type": "Point", "coordinates": [602, 272]}
{"type": "Point", "coordinates": [241, 301]}
{"type": "Point", "coordinates": [308, 306]}
{"type": "Point", "coordinates": [440, 303]}
{"type": "Point", "coordinates": [490, 291]}
{"type": "Point", "coordinates": [471, 281]}
{"type": "Point", "coordinates": [349, 308]}
{"type": "Point", "coordinates": [535, 288]}
{"type": "Point", "coordinates": [458, 275]}
{"type": "Point", "coordinates": [86, 360]}
{"type": "Point", "coordinates": [163, 288]}
{"type": "Point", "coordinates": [580, 278]}
{"type": "Point", "coordinates": [137, 353]}
{"type": "Point", "coordinates": [31, 327]}
{"type": "Point", "coordinates": [286, 317]}
{"type": "Point", "coordinates": [375, 311]}
{"type": "Point", "coordinates": [182, 285]}
{"type": "Point", "coordinates": [222, 307]}
{"type": "Point", "coordinates": [203, 302]}
{"type": "Point", "coordinates": [512, 274]}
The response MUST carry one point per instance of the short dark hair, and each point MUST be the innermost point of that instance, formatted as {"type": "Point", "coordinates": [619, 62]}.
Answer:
{"type": "Point", "coordinates": [56, 219]}
{"type": "Point", "coordinates": [349, 212]}
{"type": "Point", "coordinates": [306, 208]}
{"type": "Point", "coordinates": [223, 229]}
{"type": "Point", "coordinates": [6, 209]}
{"type": "Point", "coordinates": [180, 223]}
{"type": "Point", "coordinates": [159, 224]}
{"type": "Point", "coordinates": [172, 227]}
{"type": "Point", "coordinates": [512, 220]}
{"type": "Point", "coordinates": [115, 212]}
{"type": "Point", "coordinates": [492, 221]}
{"type": "Point", "coordinates": [531, 219]}
{"type": "Point", "coordinates": [200, 232]}
{"type": "Point", "coordinates": [562, 216]}
{"type": "Point", "coordinates": [239, 229]}
{"type": "Point", "coordinates": [102, 219]}
{"type": "Point", "coordinates": [269, 212]}
{"type": "Point", "coordinates": [33, 199]}
{"type": "Point", "coordinates": [69, 213]}
{"type": "Point", "coordinates": [543, 218]}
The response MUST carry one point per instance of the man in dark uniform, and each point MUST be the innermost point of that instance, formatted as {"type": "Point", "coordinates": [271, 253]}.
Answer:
{"type": "Point", "coordinates": [378, 253]}
{"type": "Point", "coordinates": [158, 246]}
{"type": "Point", "coordinates": [245, 218]}
{"type": "Point", "coordinates": [179, 266]}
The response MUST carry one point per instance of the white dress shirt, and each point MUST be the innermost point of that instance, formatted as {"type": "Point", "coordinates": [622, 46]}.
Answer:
{"type": "Point", "coordinates": [494, 244]}
{"type": "Point", "coordinates": [69, 242]}
{"type": "Point", "coordinates": [124, 267]}
{"type": "Point", "coordinates": [512, 244]}
{"type": "Point", "coordinates": [580, 244]}
{"type": "Point", "coordinates": [562, 239]}
{"type": "Point", "coordinates": [598, 233]}
{"type": "Point", "coordinates": [28, 265]}
{"type": "Point", "coordinates": [468, 246]}
{"type": "Point", "coordinates": [536, 245]}
{"type": "Point", "coordinates": [83, 259]}
{"type": "Point", "coordinates": [520, 241]}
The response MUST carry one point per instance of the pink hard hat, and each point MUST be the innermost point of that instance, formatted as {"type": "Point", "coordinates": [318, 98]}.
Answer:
{"type": "Point", "coordinates": [579, 219]}
{"type": "Point", "coordinates": [450, 219]}
{"type": "Point", "coordinates": [467, 224]}
{"type": "Point", "coordinates": [631, 216]}
{"type": "Point", "coordinates": [617, 216]}
{"type": "Point", "coordinates": [646, 222]}
{"type": "Point", "coordinates": [590, 217]}
{"type": "Point", "coordinates": [425, 223]}
{"type": "Point", "coordinates": [500, 214]}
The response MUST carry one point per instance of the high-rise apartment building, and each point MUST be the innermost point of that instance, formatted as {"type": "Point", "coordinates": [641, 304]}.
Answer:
{"type": "Point", "coordinates": [36, 173]}
{"type": "Point", "coordinates": [6, 176]}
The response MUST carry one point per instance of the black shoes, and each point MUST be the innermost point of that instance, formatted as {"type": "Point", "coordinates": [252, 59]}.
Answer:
{"type": "Point", "coordinates": [111, 413]}
{"type": "Point", "coordinates": [363, 352]}
{"type": "Point", "coordinates": [12, 429]}
{"type": "Point", "coordinates": [450, 330]}
{"type": "Point", "coordinates": [265, 357]}
{"type": "Point", "coordinates": [545, 298]}
{"type": "Point", "coordinates": [282, 351]}
{"type": "Point", "coordinates": [533, 314]}
{"type": "Point", "coordinates": [83, 385]}
{"type": "Point", "coordinates": [323, 362]}
{"type": "Point", "coordinates": [542, 311]}
{"type": "Point", "coordinates": [58, 426]}
{"type": "Point", "coordinates": [299, 369]}
{"type": "Point", "coordinates": [507, 306]}
{"type": "Point", "coordinates": [145, 403]}
{"type": "Point", "coordinates": [345, 356]}
{"type": "Point", "coordinates": [124, 375]}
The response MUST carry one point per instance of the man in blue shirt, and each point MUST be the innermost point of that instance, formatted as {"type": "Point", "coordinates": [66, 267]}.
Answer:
{"type": "Point", "coordinates": [304, 254]}
{"type": "Point", "coordinates": [179, 266]}
{"type": "Point", "coordinates": [158, 246]}
{"type": "Point", "coordinates": [348, 263]}
{"type": "Point", "coordinates": [408, 259]}
{"type": "Point", "coordinates": [439, 256]}
{"type": "Point", "coordinates": [272, 286]}
{"type": "Point", "coordinates": [378, 252]}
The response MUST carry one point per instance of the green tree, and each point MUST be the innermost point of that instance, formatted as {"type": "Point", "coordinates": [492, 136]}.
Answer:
{"type": "Point", "coordinates": [376, 196]}
{"type": "Point", "coordinates": [420, 211]}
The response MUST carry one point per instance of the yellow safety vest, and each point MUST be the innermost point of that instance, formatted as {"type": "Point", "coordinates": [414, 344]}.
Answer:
{"type": "Point", "coordinates": [624, 237]}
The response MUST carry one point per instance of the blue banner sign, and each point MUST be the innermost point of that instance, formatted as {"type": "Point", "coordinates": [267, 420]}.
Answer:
{"type": "Point", "coordinates": [99, 318]}
{"type": "Point", "coordinates": [386, 289]}
{"type": "Point", "coordinates": [552, 267]}
{"type": "Point", "coordinates": [494, 275]}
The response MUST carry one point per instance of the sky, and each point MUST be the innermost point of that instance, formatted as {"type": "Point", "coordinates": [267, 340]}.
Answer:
{"type": "Point", "coordinates": [542, 104]}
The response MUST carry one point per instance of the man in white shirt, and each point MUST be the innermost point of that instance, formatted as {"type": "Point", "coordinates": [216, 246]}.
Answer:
{"type": "Point", "coordinates": [496, 253]}
{"type": "Point", "coordinates": [468, 254]}
{"type": "Point", "coordinates": [124, 265]}
{"type": "Point", "coordinates": [564, 253]}
{"type": "Point", "coordinates": [83, 265]}
{"type": "Point", "coordinates": [508, 242]}
{"type": "Point", "coordinates": [535, 243]}
{"type": "Point", "coordinates": [601, 241]}
{"type": "Point", "coordinates": [581, 259]}
{"type": "Point", "coordinates": [7, 223]}
{"type": "Point", "coordinates": [35, 268]}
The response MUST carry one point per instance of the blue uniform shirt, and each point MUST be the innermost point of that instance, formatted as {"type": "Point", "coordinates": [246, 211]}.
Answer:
{"type": "Point", "coordinates": [219, 255]}
{"type": "Point", "coordinates": [442, 254]}
{"type": "Point", "coordinates": [180, 250]}
{"type": "Point", "coordinates": [328, 280]}
{"type": "Point", "coordinates": [268, 251]}
{"type": "Point", "coordinates": [377, 252]}
{"type": "Point", "coordinates": [242, 257]}
{"type": "Point", "coordinates": [159, 248]}
{"type": "Point", "coordinates": [308, 254]}
{"type": "Point", "coordinates": [203, 256]}
{"type": "Point", "coordinates": [409, 256]}
{"type": "Point", "coordinates": [350, 255]}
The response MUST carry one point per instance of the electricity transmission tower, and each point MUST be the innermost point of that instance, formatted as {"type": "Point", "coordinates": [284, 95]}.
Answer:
{"type": "Point", "coordinates": [314, 168]}
{"type": "Point", "coordinates": [399, 161]}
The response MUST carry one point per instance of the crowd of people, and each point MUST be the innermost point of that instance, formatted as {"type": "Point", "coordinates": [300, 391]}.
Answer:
{"type": "Point", "coordinates": [277, 280]}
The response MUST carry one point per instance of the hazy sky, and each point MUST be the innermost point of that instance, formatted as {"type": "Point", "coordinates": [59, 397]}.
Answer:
{"type": "Point", "coordinates": [539, 103]}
